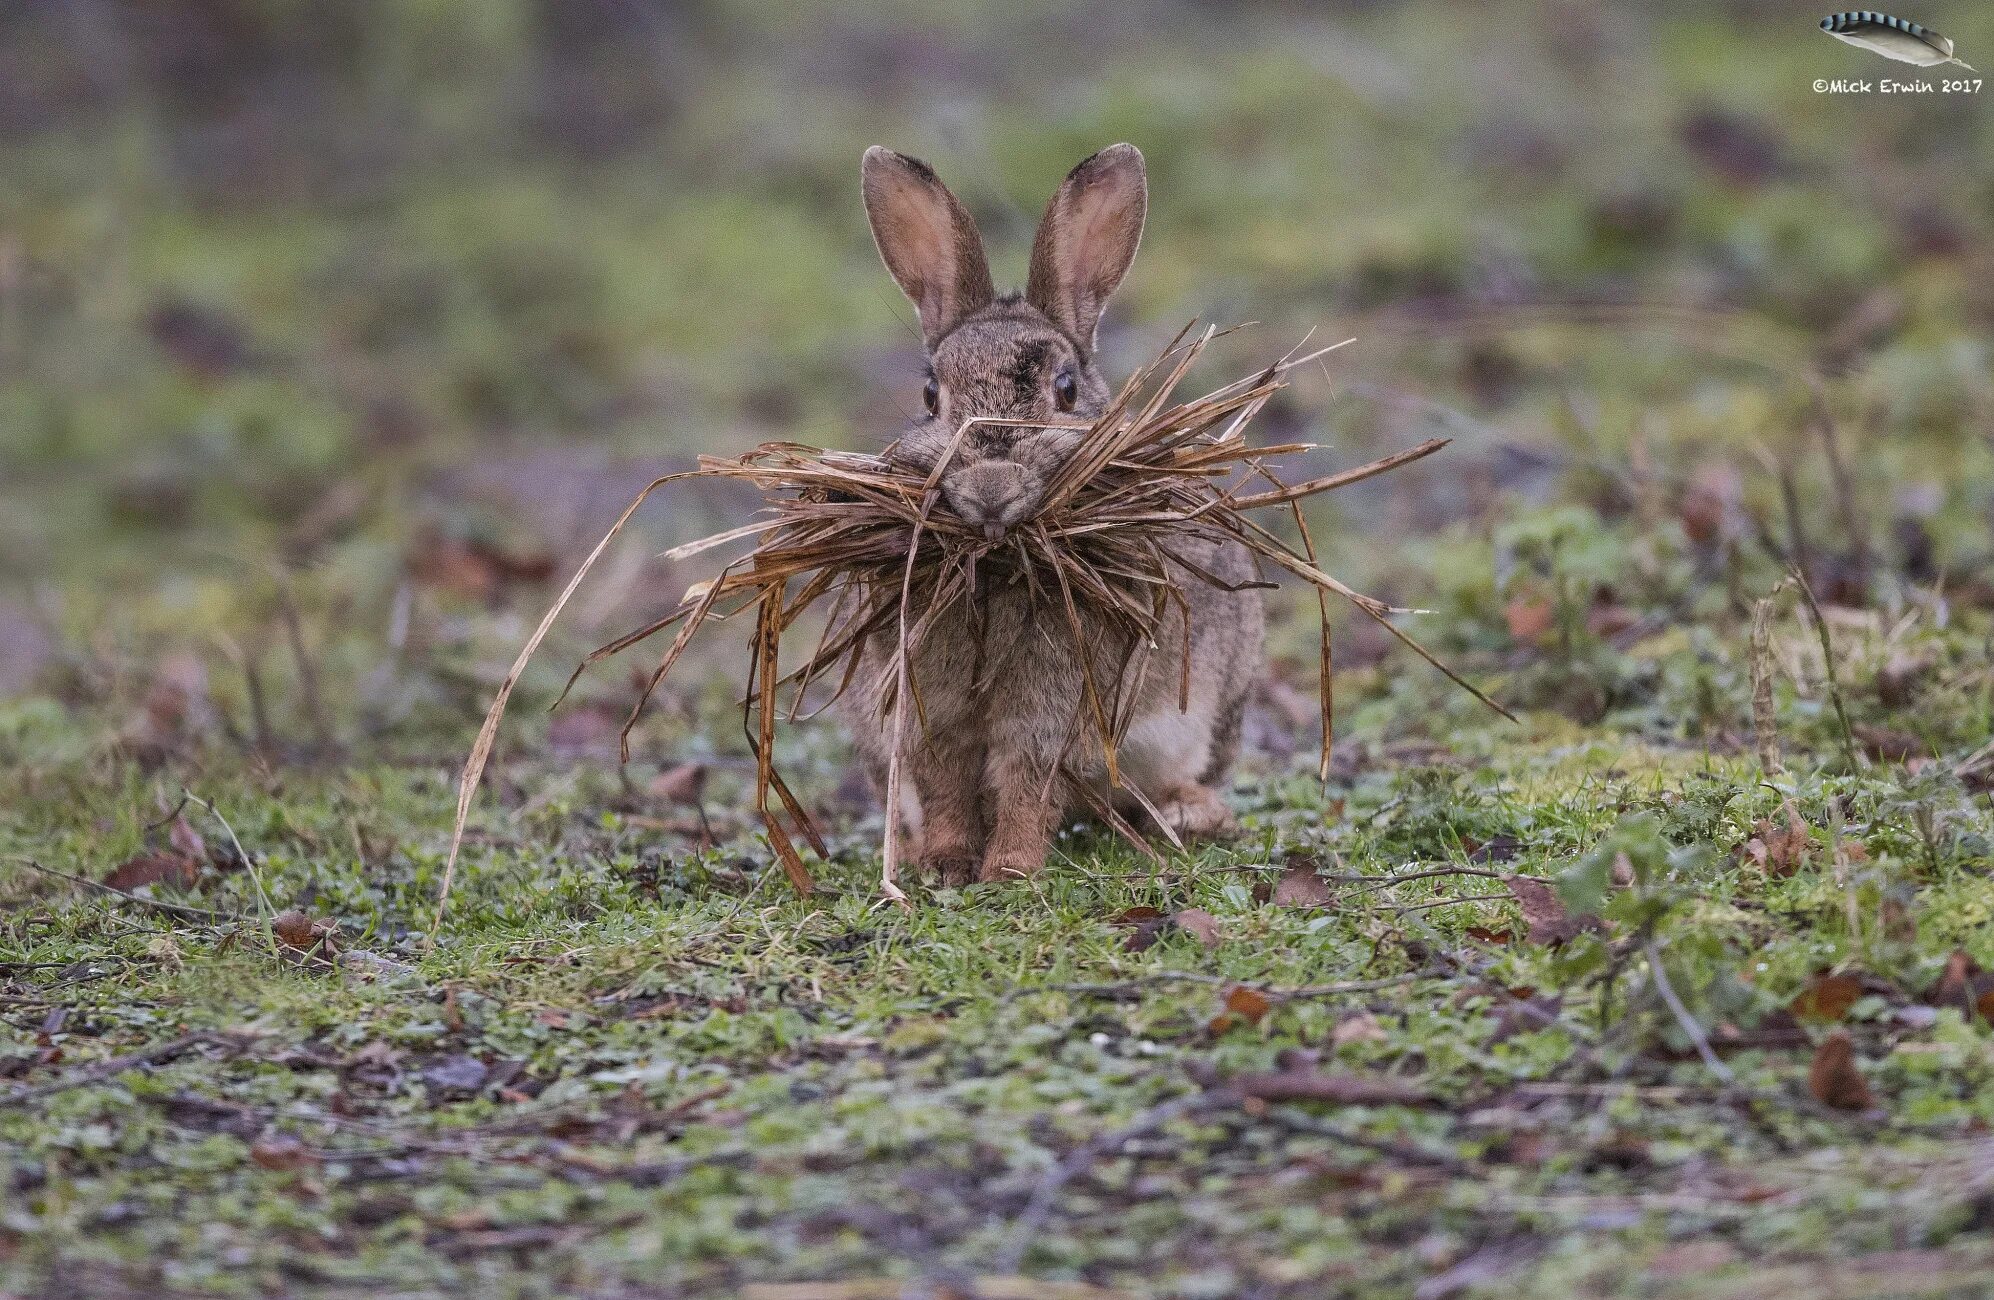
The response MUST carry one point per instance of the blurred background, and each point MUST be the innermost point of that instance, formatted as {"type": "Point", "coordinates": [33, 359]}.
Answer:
{"type": "Point", "coordinates": [331, 336]}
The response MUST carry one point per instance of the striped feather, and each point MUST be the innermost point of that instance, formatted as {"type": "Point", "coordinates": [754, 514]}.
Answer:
{"type": "Point", "coordinates": [1892, 37]}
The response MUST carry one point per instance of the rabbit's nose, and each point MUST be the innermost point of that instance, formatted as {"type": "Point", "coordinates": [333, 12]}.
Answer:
{"type": "Point", "coordinates": [989, 496]}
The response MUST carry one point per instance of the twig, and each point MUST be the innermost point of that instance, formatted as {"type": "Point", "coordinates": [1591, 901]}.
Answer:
{"type": "Point", "coordinates": [1040, 1206]}
{"type": "Point", "coordinates": [116, 1065]}
{"type": "Point", "coordinates": [1196, 977]}
{"type": "Point", "coordinates": [1828, 662]}
{"type": "Point", "coordinates": [248, 864]}
{"type": "Point", "coordinates": [1355, 878]}
{"type": "Point", "coordinates": [308, 684]}
{"type": "Point", "coordinates": [1683, 1018]}
{"type": "Point", "coordinates": [156, 904]}
{"type": "Point", "coordinates": [1765, 722]}
{"type": "Point", "coordinates": [1303, 1122]}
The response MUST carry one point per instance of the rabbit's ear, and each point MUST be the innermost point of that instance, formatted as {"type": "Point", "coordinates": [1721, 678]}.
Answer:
{"type": "Point", "coordinates": [1088, 238]}
{"type": "Point", "coordinates": [927, 240]}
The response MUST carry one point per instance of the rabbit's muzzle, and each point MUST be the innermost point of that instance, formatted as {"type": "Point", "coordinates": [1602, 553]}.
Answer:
{"type": "Point", "coordinates": [992, 495]}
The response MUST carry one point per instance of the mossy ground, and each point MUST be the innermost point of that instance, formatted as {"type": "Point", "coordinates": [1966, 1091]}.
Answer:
{"type": "Point", "coordinates": [328, 337]}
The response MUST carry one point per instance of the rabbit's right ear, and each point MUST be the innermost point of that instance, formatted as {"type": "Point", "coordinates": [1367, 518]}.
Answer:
{"type": "Point", "coordinates": [927, 239]}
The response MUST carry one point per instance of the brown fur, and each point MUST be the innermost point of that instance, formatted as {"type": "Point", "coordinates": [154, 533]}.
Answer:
{"type": "Point", "coordinates": [996, 767]}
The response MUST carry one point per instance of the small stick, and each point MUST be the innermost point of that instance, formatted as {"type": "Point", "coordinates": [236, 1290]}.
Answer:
{"type": "Point", "coordinates": [1828, 662]}
{"type": "Point", "coordinates": [1683, 1018]}
{"type": "Point", "coordinates": [1039, 1207]}
{"type": "Point", "coordinates": [156, 904]}
{"type": "Point", "coordinates": [1354, 878]}
{"type": "Point", "coordinates": [116, 1065]}
{"type": "Point", "coordinates": [1765, 722]}
{"type": "Point", "coordinates": [308, 685]}
{"type": "Point", "coordinates": [248, 863]}
{"type": "Point", "coordinates": [1278, 994]}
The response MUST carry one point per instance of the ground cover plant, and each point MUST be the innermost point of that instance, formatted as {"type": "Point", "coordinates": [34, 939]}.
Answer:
{"type": "Point", "coordinates": [330, 350]}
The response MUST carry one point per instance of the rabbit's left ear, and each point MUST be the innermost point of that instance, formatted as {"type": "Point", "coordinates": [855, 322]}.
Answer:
{"type": "Point", "coordinates": [927, 240]}
{"type": "Point", "coordinates": [1088, 238]}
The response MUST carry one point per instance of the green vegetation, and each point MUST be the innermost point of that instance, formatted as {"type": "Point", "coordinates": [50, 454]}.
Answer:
{"type": "Point", "coordinates": [330, 337]}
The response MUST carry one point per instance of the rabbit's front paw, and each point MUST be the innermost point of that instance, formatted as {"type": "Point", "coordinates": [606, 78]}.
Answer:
{"type": "Point", "coordinates": [1195, 812]}
{"type": "Point", "coordinates": [950, 870]}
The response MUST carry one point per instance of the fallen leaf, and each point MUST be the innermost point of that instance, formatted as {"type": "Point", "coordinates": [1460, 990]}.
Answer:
{"type": "Point", "coordinates": [1776, 1030]}
{"type": "Point", "coordinates": [1199, 923]}
{"type": "Point", "coordinates": [683, 784]}
{"type": "Point", "coordinates": [153, 869]}
{"type": "Point", "coordinates": [1887, 744]}
{"type": "Point", "coordinates": [1525, 1015]}
{"type": "Point", "coordinates": [1960, 984]}
{"type": "Point", "coordinates": [1250, 1005]}
{"type": "Point", "coordinates": [1528, 617]}
{"type": "Point", "coordinates": [1826, 997]}
{"type": "Point", "coordinates": [186, 841]}
{"type": "Point", "coordinates": [1363, 1027]}
{"type": "Point", "coordinates": [1550, 924]}
{"type": "Point", "coordinates": [1607, 619]}
{"type": "Point", "coordinates": [1300, 886]}
{"type": "Point", "coordinates": [296, 930]}
{"type": "Point", "coordinates": [1834, 1079]}
{"type": "Point", "coordinates": [281, 1152]}
{"type": "Point", "coordinates": [1780, 851]}
{"type": "Point", "coordinates": [1498, 848]}
{"type": "Point", "coordinates": [1146, 926]}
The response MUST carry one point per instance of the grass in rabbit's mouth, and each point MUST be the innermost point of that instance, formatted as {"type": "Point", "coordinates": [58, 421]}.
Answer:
{"type": "Point", "coordinates": [877, 544]}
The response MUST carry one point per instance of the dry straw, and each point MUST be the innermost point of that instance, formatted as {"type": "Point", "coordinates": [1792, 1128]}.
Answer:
{"type": "Point", "coordinates": [863, 535]}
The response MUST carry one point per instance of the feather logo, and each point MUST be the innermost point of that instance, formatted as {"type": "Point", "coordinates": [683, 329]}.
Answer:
{"type": "Point", "coordinates": [1893, 38]}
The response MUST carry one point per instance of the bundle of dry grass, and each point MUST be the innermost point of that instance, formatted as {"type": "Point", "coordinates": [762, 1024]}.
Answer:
{"type": "Point", "coordinates": [855, 531]}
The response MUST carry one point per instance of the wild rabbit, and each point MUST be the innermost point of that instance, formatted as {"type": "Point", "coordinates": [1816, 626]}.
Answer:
{"type": "Point", "coordinates": [993, 762]}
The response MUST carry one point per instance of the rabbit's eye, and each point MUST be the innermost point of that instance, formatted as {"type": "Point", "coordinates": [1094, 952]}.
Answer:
{"type": "Point", "coordinates": [1066, 390]}
{"type": "Point", "coordinates": [931, 396]}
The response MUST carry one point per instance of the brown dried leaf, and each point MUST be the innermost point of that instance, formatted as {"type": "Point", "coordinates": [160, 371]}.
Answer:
{"type": "Point", "coordinates": [1200, 923]}
{"type": "Point", "coordinates": [1956, 984]}
{"type": "Point", "coordinates": [152, 869]}
{"type": "Point", "coordinates": [1250, 1005]}
{"type": "Point", "coordinates": [1889, 744]}
{"type": "Point", "coordinates": [1834, 1079]}
{"type": "Point", "coordinates": [1826, 997]}
{"type": "Point", "coordinates": [1775, 1031]}
{"type": "Point", "coordinates": [1780, 851]}
{"type": "Point", "coordinates": [1529, 617]}
{"type": "Point", "coordinates": [1363, 1027]}
{"type": "Point", "coordinates": [301, 933]}
{"type": "Point", "coordinates": [1550, 924]}
{"type": "Point", "coordinates": [281, 1152]}
{"type": "Point", "coordinates": [1300, 886]}
{"type": "Point", "coordinates": [684, 784]}
{"type": "Point", "coordinates": [186, 841]}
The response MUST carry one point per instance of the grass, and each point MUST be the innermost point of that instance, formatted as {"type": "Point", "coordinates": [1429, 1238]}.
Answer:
{"type": "Point", "coordinates": [632, 1065]}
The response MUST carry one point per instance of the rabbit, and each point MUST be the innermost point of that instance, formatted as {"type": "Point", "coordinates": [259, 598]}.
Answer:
{"type": "Point", "coordinates": [1000, 754]}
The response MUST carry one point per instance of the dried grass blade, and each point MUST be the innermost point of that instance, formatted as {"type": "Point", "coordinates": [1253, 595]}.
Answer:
{"type": "Point", "coordinates": [481, 749]}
